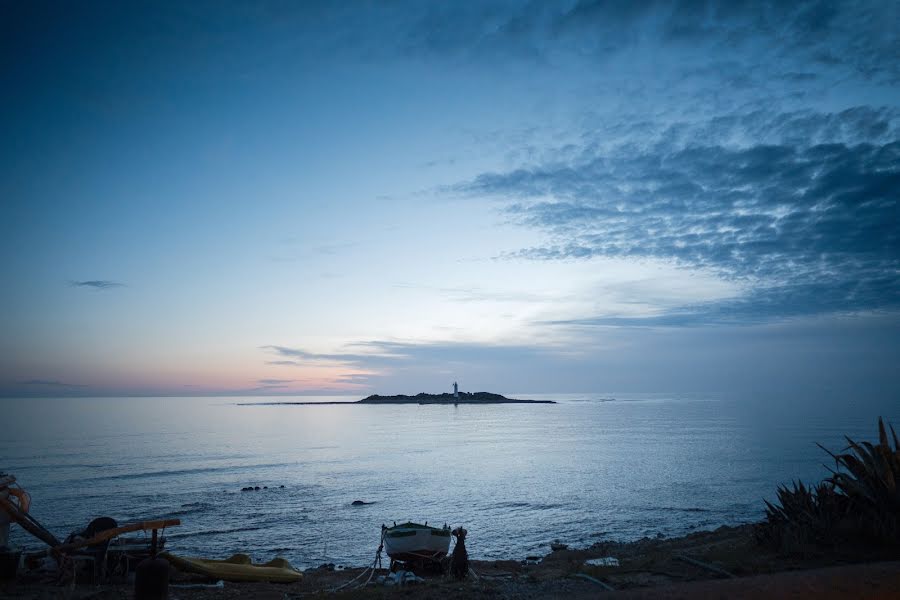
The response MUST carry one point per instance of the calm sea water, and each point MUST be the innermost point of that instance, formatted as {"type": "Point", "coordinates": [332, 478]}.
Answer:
{"type": "Point", "coordinates": [516, 476]}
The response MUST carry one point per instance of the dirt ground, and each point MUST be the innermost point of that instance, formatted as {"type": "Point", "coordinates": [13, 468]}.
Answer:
{"type": "Point", "coordinates": [725, 563]}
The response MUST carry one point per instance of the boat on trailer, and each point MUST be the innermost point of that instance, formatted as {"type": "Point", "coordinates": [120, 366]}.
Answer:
{"type": "Point", "coordinates": [412, 542]}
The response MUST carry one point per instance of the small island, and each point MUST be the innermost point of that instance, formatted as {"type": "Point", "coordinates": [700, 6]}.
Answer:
{"type": "Point", "coordinates": [456, 397]}
{"type": "Point", "coordinates": [448, 398]}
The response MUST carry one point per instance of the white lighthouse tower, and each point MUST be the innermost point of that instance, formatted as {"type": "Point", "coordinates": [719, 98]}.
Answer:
{"type": "Point", "coordinates": [455, 390]}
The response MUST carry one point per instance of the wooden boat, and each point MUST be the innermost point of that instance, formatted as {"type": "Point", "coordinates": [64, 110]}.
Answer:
{"type": "Point", "coordinates": [237, 568]}
{"type": "Point", "coordinates": [413, 542]}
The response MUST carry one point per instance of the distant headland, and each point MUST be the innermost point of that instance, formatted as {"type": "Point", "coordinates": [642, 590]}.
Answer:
{"type": "Point", "coordinates": [447, 398]}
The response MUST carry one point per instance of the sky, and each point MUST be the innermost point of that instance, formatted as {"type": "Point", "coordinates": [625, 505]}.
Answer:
{"type": "Point", "coordinates": [353, 197]}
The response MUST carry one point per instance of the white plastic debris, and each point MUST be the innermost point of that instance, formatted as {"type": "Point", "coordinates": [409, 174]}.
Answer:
{"type": "Point", "coordinates": [400, 578]}
{"type": "Point", "coordinates": [606, 561]}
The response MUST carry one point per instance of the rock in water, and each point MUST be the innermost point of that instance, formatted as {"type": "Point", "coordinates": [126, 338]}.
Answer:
{"type": "Point", "coordinates": [556, 546]}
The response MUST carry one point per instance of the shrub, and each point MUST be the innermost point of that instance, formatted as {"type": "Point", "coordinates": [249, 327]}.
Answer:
{"type": "Point", "coordinates": [858, 504]}
{"type": "Point", "coordinates": [869, 476]}
{"type": "Point", "coordinates": [804, 517]}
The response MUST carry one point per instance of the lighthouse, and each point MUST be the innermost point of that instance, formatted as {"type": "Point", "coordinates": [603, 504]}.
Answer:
{"type": "Point", "coordinates": [455, 390]}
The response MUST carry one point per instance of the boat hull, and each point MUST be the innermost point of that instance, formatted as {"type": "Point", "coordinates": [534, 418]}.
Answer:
{"type": "Point", "coordinates": [412, 541]}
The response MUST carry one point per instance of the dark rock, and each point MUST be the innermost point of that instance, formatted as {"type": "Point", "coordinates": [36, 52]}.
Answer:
{"type": "Point", "coordinates": [256, 487]}
{"type": "Point", "coordinates": [359, 503]}
{"type": "Point", "coordinates": [447, 398]}
{"type": "Point", "coordinates": [281, 486]}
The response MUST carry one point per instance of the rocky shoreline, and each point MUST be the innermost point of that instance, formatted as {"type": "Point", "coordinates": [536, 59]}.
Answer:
{"type": "Point", "coordinates": [727, 562]}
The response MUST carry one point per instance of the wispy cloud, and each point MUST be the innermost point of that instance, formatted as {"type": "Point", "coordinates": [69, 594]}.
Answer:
{"type": "Point", "coordinates": [97, 284]}
{"type": "Point", "coordinates": [806, 224]}
{"type": "Point", "coordinates": [268, 388]}
{"type": "Point", "coordinates": [357, 378]}
{"type": "Point", "coordinates": [273, 382]}
{"type": "Point", "coordinates": [748, 43]}
{"type": "Point", "coordinates": [51, 383]}
{"type": "Point", "coordinates": [379, 356]}
{"type": "Point", "coordinates": [390, 366]}
{"type": "Point", "coordinates": [301, 357]}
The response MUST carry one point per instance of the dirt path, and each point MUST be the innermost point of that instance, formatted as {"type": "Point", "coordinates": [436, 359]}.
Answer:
{"type": "Point", "coordinates": [860, 582]}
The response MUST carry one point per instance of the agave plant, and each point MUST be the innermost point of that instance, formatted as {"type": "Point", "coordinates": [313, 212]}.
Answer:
{"type": "Point", "coordinates": [869, 475]}
{"type": "Point", "coordinates": [859, 503]}
{"type": "Point", "coordinates": [804, 515]}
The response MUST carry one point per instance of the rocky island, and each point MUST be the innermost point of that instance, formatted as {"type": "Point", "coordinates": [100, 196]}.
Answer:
{"type": "Point", "coordinates": [456, 397]}
{"type": "Point", "coordinates": [448, 398]}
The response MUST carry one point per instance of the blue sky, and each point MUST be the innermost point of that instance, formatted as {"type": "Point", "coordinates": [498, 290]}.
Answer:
{"type": "Point", "coordinates": [284, 198]}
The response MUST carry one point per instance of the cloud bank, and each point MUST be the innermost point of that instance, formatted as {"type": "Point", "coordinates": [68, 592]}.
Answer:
{"type": "Point", "coordinates": [805, 219]}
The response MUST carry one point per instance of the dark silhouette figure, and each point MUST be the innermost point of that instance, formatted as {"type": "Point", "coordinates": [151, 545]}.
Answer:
{"type": "Point", "coordinates": [459, 561]}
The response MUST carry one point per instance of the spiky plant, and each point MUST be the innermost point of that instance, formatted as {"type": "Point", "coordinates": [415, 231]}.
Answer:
{"type": "Point", "coordinates": [858, 504]}
{"type": "Point", "coordinates": [869, 475]}
{"type": "Point", "coordinates": [804, 516]}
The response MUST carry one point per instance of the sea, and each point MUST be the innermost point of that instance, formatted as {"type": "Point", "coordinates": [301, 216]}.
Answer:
{"type": "Point", "coordinates": [589, 468]}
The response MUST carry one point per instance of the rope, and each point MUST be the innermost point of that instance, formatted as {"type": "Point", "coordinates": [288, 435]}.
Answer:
{"type": "Point", "coordinates": [376, 565]}
{"type": "Point", "coordinates": [370, 570]}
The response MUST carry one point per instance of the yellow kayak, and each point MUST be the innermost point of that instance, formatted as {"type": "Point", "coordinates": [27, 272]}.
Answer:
{"type": "Point", "coordinates": [237, 568]}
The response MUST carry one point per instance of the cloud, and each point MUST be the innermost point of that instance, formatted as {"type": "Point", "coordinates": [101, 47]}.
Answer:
{"type": "Point", "coordinates": [856, 37]}
{"type": "Point", "coordinates": [384, 352]}
{"type": "Point", "coordinates": [357, 378]}
{"type": "Point", "coordinates": [274, 382]}
{"type": "Point", "coordinates": [807, 225]}
{"type": "Point", "coordinates": [377, 360]}
{"type": "Point", "coordinates": [300, 357]}
{"type": "Point", "coordinates": [97, 284]}
{"type": "Point", "coordinates": [51, 383]}
{"type": "Point", "coordinates": [267, 388]}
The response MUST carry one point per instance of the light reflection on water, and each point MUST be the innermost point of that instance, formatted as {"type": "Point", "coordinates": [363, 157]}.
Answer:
{"type": "Point", "coordinates": [517, 476]}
